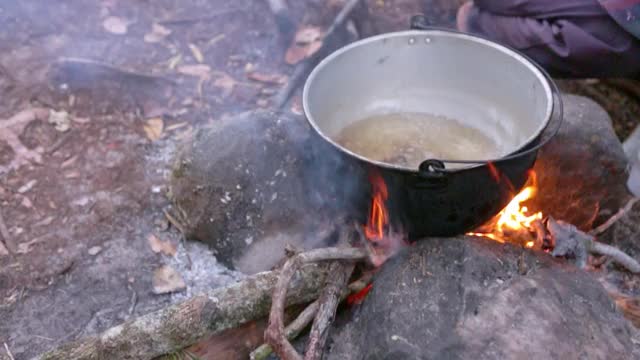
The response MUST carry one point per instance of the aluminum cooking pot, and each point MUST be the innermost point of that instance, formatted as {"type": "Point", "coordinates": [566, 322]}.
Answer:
{"type": "Point", "coordinates": [482, 84]}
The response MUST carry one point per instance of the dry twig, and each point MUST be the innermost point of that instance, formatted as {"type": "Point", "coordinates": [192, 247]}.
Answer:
{"type": "Point", "coordinates": [294, 329]}
{"type": "Point", "coordinates": [96, 70]}
{"type": "Point", "coordinates": [339, 274]}
{"type": "Point", "coordinates": [617, 216]}
{"type": "Point", "coordinates": [6, 347]}
{"type": "Point", "coordinates": [275, 334]}
{"type": "Point", "coordinates": [8, 240]}
{"type": "Point", "coordinates": [291, 332]}
{"type": "Point", "coordinates": [570, 241]}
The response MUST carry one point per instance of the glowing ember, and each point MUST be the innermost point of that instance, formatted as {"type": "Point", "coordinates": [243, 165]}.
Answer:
{"type": "Point", "coordinates": [384, 243]}
{"type": "Point", "coordinates": [515, 218]}
{"type": "Point", "coordinates": [358, 297]}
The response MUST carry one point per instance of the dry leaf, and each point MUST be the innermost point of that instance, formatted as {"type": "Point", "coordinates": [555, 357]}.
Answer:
{"type": "Point", "coordinates": [28, 186]}
{"type": "Point", "coordinates": [93, 251]}
{"type": "Point", "coordinates": [215, 39]}
{"type": "Point", "coordinates": [153, 128]}
{"type": "Point", "coordinates": [197, 54]}
{"type": "Point", "coordinates": [167, 280]}
{"type": "Point", "coordinates": [60, 120]}
{"type": "Point", "coordinates": [115, 25]}
{"type": "Point", "coordinates": [307, 41]}
{"type": "Point", "coordinates": [200, 70]}
{"type": "Point", "coordinates": [174, 61]}
{"type": "Point", "coordinates": [81, 120]}
{"type": "Point", "coordinates": [160, 246]}
{"type": "Point", "coordinates": [277, 79]}
{"type": "Point", "coordinates": [157, 34]}
{"type": "Point", "coordinates": [225, 82]}
{"type": "Point", "coordinates": [176, 126]}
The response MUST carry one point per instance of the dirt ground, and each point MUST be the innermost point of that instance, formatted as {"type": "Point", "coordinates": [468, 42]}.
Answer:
{"type": "Point", "coordinates": [81, 217]}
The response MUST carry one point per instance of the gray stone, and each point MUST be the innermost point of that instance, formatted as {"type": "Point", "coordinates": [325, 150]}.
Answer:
{"type": "Point", "coordinates": [471, 298]}
{"type": "Point", "coordinates": [582, 172]}
{"type": "Point", "coordinates": [239, 178]}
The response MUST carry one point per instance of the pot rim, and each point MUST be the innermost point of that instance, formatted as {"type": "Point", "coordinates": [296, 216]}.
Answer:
{"type": "Point", "coordinates": [536, 69]}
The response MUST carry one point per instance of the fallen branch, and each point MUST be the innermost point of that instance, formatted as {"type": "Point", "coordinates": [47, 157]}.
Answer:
{"type": "Point", "coordinates": [183, 324]}
{"type": "Point", "coordinates": [339, 274]}
{"type": "Point", "coordinates": [291, 332]}
{"type": "Point", "coordinates": [88, 70]}
{"type": "Point", "coordinates": [618, 255]}
{"type": "Point", "coordinates": [304, 68]}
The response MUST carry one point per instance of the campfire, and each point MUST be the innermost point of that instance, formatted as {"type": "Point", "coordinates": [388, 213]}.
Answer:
{"type": "Point", "coordinates": [515, 223]}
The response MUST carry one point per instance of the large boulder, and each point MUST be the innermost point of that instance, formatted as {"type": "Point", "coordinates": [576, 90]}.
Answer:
{"type": "Point", "coordinates": [471, 298]}
{"type": "Point", "coordinates": [238, 178]}
{"type": "Point", "coordinates": [252, 183]}
{"type": "Point", "coordinates": [582, 172]}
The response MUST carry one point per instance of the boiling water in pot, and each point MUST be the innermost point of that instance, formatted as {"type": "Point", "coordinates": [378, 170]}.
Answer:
{"type": "Point", "coordinates": [407, 139]}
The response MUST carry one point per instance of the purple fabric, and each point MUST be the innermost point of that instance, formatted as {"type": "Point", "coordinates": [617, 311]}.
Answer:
{"type": "Point", "coordinates": [626, 13]}
{"type": "Point", "coordinates": [573, 38]}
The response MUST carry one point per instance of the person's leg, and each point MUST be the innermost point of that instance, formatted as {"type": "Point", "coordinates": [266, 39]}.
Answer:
{"type": "Point", "coordinates": [540, 8]}
{"type": "Point", "coordinates": [578, 46]}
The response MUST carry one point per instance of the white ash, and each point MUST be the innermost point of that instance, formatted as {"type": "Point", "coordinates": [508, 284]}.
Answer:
{"type": "Point", "coordinates": [200, 270]}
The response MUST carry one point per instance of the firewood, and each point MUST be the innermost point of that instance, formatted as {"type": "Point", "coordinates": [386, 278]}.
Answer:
{"type": "Point", "coordinates": [183, 324]}
{"type": "Point", "coordinates": [275, 335]}
{"type": "Point", "coordinates": [339, 274]}
{"type": "Point", "coordinates": [307, 315]}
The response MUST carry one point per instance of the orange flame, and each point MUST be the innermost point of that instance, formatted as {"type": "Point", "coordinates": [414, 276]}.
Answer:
{"type": "Point", "coordinates": [515, 217]}
{"type": "Point", "coordinates": [378, 217]}
{"type": "Point", "coordinates": [384, 242]}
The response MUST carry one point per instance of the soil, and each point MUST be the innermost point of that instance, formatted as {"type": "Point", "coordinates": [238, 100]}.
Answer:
{"type": "Point", "coordinates": [81, 218]}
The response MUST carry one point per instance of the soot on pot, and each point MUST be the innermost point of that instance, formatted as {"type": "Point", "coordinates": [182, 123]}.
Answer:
{"type": "Point", "coordinates": [406, 139]}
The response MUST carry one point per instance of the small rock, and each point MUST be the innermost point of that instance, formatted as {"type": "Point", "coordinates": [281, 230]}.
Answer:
{"type": "Point", "coordinates": [167, 280]}
{"type": "Point", "coordinates": [582, 172]}
{"type": "Point", "coordinates": [93, 251]}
